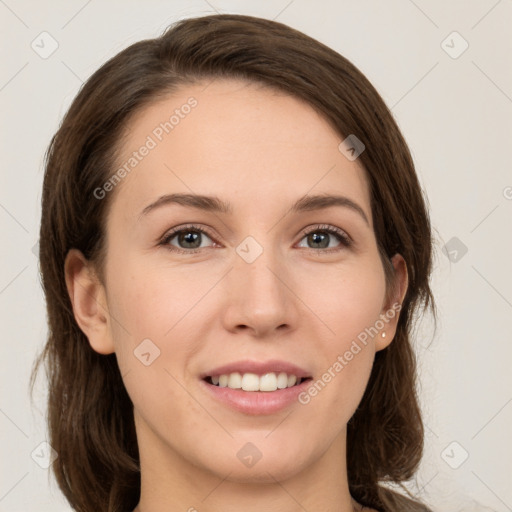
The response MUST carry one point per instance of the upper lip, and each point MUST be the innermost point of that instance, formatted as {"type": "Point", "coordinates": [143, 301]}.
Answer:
{"type": "Point", "coordinates": [257, 367]}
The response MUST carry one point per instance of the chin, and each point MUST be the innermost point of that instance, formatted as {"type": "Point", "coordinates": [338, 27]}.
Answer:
{"type": "Point", "coordinates": [263, 462]}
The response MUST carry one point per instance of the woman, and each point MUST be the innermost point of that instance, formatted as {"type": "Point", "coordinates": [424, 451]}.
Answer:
{"type": "Point", "coordinates": [233, 245]}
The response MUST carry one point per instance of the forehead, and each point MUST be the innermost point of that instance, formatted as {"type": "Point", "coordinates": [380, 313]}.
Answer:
{"type": "Point", "coordinates": [250, 144]}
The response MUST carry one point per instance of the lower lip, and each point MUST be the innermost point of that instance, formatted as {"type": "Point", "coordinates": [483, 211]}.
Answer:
{"type": "Point", "coordinates": [256, 402]}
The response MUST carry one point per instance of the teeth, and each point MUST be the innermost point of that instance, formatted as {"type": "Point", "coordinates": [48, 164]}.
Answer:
{"type": "Point", "coordinates": [267, 382]}
{"type": "Point", "coordinates": [253, 382]}
{"type": "Point", "coordinates": [250, 382]}
{"type": "Point", "coordinates": [235, 381]}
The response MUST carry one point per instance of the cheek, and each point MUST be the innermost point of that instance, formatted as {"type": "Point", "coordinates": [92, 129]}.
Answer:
{"type": "Point", "coordinates": [153, 310]}
{"type": "Point", "coordinates": [348, 300]}
{"type": "Point", "coordinates": [158, 319]}
{"type": "Point", "coordinates": [349, 303]}
{"type": "Point", "coordinates": [339, 385]}
{"type": "Point", "coordinates": [150, 301]}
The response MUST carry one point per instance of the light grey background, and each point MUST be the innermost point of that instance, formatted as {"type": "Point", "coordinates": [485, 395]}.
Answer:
{"type": "Point", "coordinates": [455, 113]}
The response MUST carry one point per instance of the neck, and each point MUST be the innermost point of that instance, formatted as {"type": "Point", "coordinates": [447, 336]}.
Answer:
{"type": "Point", "coordinates": [170, 482]}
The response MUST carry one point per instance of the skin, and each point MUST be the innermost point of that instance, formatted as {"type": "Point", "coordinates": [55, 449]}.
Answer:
{"type": "Point", "coordinates": [260, 150]}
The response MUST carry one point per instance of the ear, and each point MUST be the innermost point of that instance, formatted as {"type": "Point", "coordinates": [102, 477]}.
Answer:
{"type": "Point", "coordinates": [391, 310]}
{"type": "Point", "coordinates": [88, 298]}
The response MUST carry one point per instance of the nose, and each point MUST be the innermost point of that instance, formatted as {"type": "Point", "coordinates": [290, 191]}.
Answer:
{"type": "Point", "coordinates": [261, 297]}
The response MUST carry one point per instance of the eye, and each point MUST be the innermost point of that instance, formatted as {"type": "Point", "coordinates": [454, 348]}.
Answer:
{"type": "Point", "coordinates": [188, 238]}
{"type": "Point", "coordinates": [321, 236]}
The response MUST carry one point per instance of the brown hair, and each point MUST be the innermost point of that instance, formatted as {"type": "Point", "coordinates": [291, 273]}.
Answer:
{"type": "Point", "coordinates": [90, 416]}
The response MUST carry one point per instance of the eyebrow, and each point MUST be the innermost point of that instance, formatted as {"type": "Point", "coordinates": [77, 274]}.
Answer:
{"type": "Point", "coordinates": [217, 205]}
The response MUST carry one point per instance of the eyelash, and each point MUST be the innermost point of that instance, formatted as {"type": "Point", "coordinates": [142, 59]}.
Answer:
{"type": "Point", "coordinates": [340, 235]}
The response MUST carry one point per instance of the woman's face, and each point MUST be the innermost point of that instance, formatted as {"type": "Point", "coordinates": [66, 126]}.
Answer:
{"type": "Point", "coordinates": [245, 285]}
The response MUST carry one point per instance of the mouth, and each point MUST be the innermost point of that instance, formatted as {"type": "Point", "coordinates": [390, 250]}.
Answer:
{"type": "Point", "coordinates": [253, 382]}
{"type": "Point", "coordinates": [256, 387]}
{"type": "Point", "coordinates": [253, 394]}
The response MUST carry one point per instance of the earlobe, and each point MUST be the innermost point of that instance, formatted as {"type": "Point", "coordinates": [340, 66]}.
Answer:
{"type": "Point", "coordinates": [391, 311]}
{"type": "Point", "coordinates": [88, 299]}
